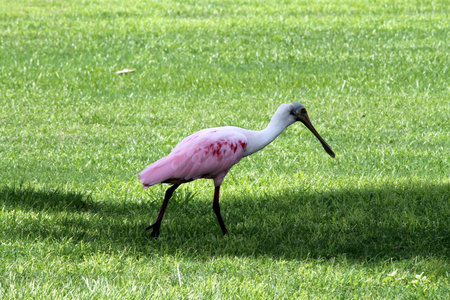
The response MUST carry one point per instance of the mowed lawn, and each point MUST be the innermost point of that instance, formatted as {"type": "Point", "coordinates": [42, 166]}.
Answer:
{"type": "Point", "coordinates": [372, 223]}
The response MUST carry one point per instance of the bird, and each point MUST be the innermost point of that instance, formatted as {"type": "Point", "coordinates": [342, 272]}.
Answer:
{"type": "Point", "coordinates": [210, 154]}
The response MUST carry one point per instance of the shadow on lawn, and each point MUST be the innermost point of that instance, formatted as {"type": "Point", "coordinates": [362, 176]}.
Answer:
{"type": "Point", "coordinates": [390, 222]}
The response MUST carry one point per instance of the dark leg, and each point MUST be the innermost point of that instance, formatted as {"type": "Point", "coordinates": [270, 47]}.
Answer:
{"type": "Point", "coordinates": [216, 209]}
{"type": "Point", "coordinates": [157, 224]}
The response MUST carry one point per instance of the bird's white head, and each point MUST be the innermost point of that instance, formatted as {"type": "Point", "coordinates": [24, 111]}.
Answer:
{"type": "Point", "coordinates": [297, 112]}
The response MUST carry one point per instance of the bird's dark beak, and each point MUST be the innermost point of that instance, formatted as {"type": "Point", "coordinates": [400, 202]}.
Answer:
{"type": "Point", "coordinates": [305, 120]}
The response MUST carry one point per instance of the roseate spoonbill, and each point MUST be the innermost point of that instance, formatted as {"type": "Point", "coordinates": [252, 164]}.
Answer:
{"type": "Point", "coordinates": [210, 153]}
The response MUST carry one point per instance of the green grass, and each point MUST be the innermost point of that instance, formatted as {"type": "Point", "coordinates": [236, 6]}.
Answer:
{"type": "Point", "coordinates": [372, 223]}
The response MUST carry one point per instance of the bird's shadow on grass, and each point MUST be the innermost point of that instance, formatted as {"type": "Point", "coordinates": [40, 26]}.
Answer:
{"type": "Point", "coordinates": [380, 223]}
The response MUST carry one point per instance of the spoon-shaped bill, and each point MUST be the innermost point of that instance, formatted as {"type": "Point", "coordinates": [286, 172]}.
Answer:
{"type": "Point", "coordinates": [305, 120]}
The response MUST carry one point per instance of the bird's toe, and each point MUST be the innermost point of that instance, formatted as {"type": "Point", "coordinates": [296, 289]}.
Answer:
{"type": "Point", "coordinates": [155, 231]}
{"type": "Point", "coordinates": [154, 234]}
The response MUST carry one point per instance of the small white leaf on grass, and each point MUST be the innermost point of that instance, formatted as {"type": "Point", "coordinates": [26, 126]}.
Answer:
{"type": "Point", "coordinates": [124, 71]}
{"type": "Point", "coordinates": [179, 275]}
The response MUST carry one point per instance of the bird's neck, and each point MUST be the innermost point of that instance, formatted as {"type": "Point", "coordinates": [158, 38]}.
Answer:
{"type": "Point", "coordinates": [260, 139]}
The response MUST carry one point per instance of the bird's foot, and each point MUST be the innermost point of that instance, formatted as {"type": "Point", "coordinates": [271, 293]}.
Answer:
{"type": "Point", "coordinates": [155, 232]}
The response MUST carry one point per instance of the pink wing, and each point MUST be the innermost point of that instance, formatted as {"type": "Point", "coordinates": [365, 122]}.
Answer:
{"type": "Point", "coordinates": [209, 153]}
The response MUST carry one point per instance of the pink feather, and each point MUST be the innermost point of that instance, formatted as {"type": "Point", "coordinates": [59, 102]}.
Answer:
{"type": "Point", "coordinates": [209, 153]}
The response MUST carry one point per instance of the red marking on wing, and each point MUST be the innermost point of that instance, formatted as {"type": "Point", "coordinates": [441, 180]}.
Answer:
{"type": "Point", "coordinates": [221, 148]}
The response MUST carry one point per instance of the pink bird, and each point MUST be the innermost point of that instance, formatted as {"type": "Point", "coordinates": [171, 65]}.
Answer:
{"type": "Point", "coordinates": [210, 153]}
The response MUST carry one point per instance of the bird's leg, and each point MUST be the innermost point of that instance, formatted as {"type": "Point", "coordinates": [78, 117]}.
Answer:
{"type": "Point", "coordinates": [157, 224]}
{"type": "Point", "coordinates": [216, 208]}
